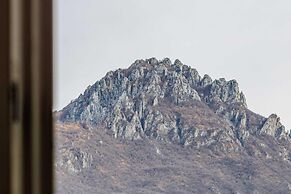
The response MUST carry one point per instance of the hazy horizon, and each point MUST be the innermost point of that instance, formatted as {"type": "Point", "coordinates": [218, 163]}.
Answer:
{"type": "Point", "coordinates": [248, 41]}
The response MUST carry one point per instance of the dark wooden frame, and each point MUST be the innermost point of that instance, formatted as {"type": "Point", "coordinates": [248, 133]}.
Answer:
{"type": "Point", "coordinates": [26, 97]}
{"type": "Point", "coordinates": [4, 98]}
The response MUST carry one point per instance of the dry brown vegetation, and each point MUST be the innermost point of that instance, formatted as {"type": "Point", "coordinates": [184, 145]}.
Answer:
{"type": "Point", "coordinates": [122, 166]}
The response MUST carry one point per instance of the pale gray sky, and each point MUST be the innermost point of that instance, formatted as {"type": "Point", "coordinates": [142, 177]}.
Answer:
{"type": "Point", "coordinates": [246, 40]}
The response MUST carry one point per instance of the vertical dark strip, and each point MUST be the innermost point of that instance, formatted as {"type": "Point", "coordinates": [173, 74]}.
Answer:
{"type": "Point", "coordinates": [4, 98]}
{"type": "Point", "coordinates": [27, 97]}
{"type": "Point", "coordinates": [46, 63]}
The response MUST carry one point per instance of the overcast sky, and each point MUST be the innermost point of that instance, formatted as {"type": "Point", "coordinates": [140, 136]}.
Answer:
{"type": "Point", "coordinates": [246, 40]}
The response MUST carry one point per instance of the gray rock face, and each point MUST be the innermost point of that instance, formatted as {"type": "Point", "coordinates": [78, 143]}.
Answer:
{"type": "Point", "coordinates": [206, 80]}
{"type": "Point", "coordinates": [226, 91]}
{"type": "Point", "coordinates": [170, 102]}
{"type": "Point", "coordinates": [273, 127]}
{"type": "Point", "coordinates": [74, 160]}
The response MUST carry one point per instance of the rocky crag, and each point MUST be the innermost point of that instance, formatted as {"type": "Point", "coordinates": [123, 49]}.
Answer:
{"type": "Point", "coordinates": [169, 105]}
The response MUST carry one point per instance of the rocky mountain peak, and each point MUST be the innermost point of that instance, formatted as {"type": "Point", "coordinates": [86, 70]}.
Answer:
{"type": "Point", "coordinates": [171, 102]}
{"type": "Point", "coordinates": [157, 122]}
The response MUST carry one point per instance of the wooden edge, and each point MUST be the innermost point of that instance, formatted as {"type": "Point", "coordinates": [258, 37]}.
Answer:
{"type": "Point", "coordinates": [46, 95]}
{"type": "Point", "coordinates": [4, 98]}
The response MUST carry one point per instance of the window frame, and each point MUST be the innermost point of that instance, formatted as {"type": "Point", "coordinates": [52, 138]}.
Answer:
{"type": "Point", "coordinates": [4, 95]}
{"type": "Point", "coordinates": [26, 141]}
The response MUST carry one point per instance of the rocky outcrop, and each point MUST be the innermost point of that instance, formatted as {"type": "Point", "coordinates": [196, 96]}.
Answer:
{"type": "Point", "coordinates": [74, 160]}
{"type": "Point", "coordinates": [170, 102]}
{"type": "Point", "coordinates": [206, 81]}
{"type": "Point", "coordinates": [273, 127]}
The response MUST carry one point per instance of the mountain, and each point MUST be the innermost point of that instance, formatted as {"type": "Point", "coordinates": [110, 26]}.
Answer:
{"type": "Point", "coordinates": [160, 127]}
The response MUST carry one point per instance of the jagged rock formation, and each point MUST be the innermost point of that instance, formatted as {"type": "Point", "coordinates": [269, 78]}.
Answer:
{"type": "Point", "coordinates": [171, 103]}
{"type": "Point", "coordinates": [154, 98]}
{"type": "Point", "coordinates": [273, 127]}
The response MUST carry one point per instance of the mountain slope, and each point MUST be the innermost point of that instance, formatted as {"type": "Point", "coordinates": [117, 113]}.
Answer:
{"type": "Point", "coordinates": [157, 103]}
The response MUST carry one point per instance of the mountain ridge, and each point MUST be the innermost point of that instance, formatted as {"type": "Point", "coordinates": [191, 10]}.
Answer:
{"type": "Point", "coordinates": [170, 103]}
{"type": "Point", "coordinates": [215, 93]}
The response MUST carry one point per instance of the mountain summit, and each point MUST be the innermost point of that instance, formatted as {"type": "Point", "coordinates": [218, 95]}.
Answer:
{"type": "Point", "coordinates": [169, 105]}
